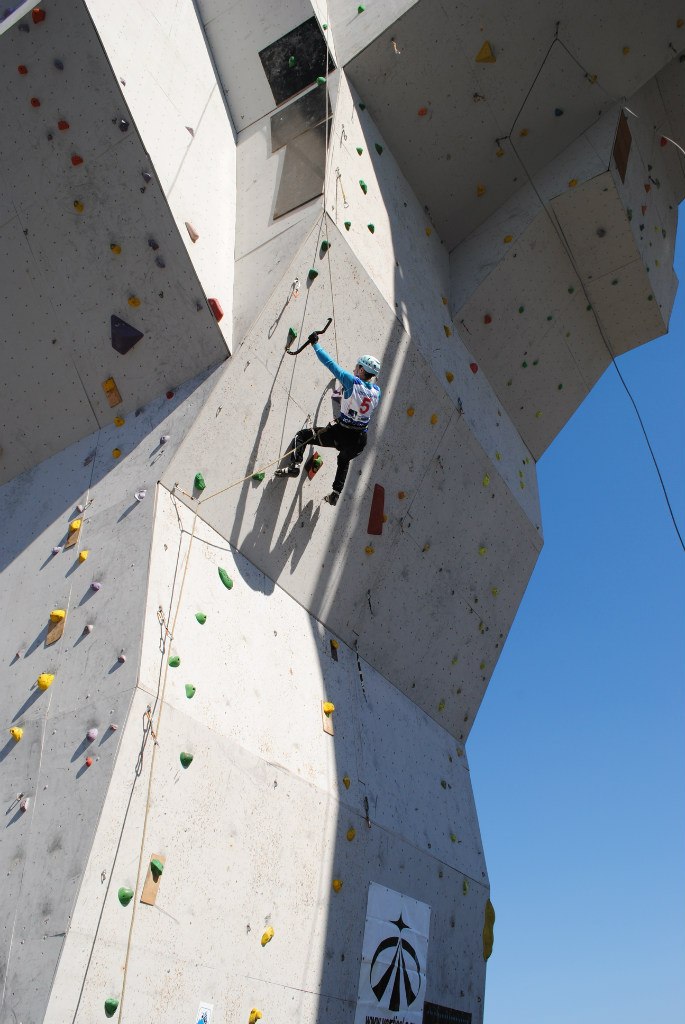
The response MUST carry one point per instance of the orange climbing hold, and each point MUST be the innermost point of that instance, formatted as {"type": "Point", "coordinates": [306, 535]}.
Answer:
{"type": "Point", "coordinates": [486, 55]}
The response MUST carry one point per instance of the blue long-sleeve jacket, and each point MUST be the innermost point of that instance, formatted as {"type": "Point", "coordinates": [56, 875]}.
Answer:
{"type": "Point", "coordinates": [360, 397]}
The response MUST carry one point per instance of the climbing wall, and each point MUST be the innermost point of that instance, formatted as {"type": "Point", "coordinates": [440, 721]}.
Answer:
{"type": "Point", "coordinates": [258, 906]}
{"type": "Point", "coordinates": [75, 560]}
{"type": "Point", "coordinates": [168, 81]}
{"type": "Point", "coordinates": [451, 504]}
{"type": "Point", "coordinates": [85, 235]}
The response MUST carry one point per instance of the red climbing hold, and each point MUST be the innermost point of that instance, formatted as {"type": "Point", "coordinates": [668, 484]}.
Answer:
{"type": "Point", "coordinates": [663, 141]}
{"type": "Point", "coordinates": [76, 160]}
{"type": "Point", "coordinates": [22, 69]}
{"type": "Point", "coordinates": [422, 111]}
{"type": "Point", "coordinates": [487, 319]}
{"type": "Point", "coordinates": [648, 186]}
{"type": "Point", "coordinates": [37, 15]}
{"type": "Point", "coordinates": [473, 367]}
{"type": "Point", "coordinates": [375, 526]}
{"type": "Point", "coordinates": [35, 102]}
{"type": "Point", "coordinates": [170, 395]}
{"type": "Point", "coordinates": [644, 210]}
{"type": "Point", "coordinates": [216, 309]}
{"type": "Point", "coordinates": [63, 125]}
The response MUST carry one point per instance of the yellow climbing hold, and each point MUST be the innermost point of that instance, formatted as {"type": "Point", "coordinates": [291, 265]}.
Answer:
{"type": "Point", "coordinates": [82, 555]}
{"type": "Point", "coordinates": [369, 549]}
{"type": "Point", "coordinates": [434, 419]}
{"type": "Point", "coordinates": [485, 55]}
{"type": "Point", "coordinates": [498, 456]}
{"type": "Point", "coordinates": [58, 615]}
{"type": "Point", "coordinates": [494, 591]}
{"type": "Point", "coordinates": [119, 421]}
{"type": "Point", "coordinates": [255, 1015]}
{"type": "Point", "coordinates": [116, 249]}
{"type": "Point", "coordinates": [625, 51]}
{"type": "Point", "coordinates": [444, 300]}
{"type": "Point", "coordinates": [572, 182]}
{"type": "Point", "coordinates": [441, 706]}
{"type": "Point", "coordinates": [465, 886]}
{"type": "Point", "coordinates": [335, 645]}
{"type": "Point", "coordinates": [74, 525]}
{"type": "Point", "coordinates": [16, 732]}
{"type": "Point", "coordinates": [499, 151]}
{"type": "Point", "coordinates": [480, 190]}
{"type": "Point", "coordinates": [507, 239]}
{"type": "Point", "coordinates": [482, 549]}
{"type": "Point", "coordinates": [426, 547]}
{"type": "Point", "coordinates": [351, 833]}
{"type": "Point", "coordinates": [523, 133]}
{"type": "Point", "coordinates": [328, 707]}
{"type": "Point", "coordinates": [448, 330]}
{"type": "Point", "coordinates": [482, 665]}
{"type": "Point", "coordinates": [134, 301]}
{"type": "Point", "coordinates": [410, 410]}
{"type": "Point", "coordinates": [346, 781]}
{"type": "Point", "coordinates": [337, 885]}
{"type": "Point", "coordinates": [429, 231]}
{"type": "Point", "coordinates": [78, 205]}
{"type": "Point", "coordinates": [538, 414]}
{"type": "Point", "coordinates": [116, 453]}
{"type": "Point", "coordinates": [44, 681]}
{"type": "Point", "coordinates": [486, 480]}
{"type": "Point", "coordinates": [267, 936]}
{"type": "Point", "coordinates": [488, 930]}
{"type": "Point", "coordinates": [449, 375]}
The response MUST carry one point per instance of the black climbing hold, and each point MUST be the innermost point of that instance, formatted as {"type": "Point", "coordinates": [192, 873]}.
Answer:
{"type": "Point", "coordinates": [160, 262]}
{"type": "Point", "coordinates": [147, 177]}
{"type": "Point", "coordinates": [124, 337]}
{"type": "Point", "coordinates": [378, 147]}
{"type": "Point", "coordinates": [153, 245]}
{"type": "Point", "coordinates": [58, 64]}
{"type": "Point", "coordinates": [123, 125]}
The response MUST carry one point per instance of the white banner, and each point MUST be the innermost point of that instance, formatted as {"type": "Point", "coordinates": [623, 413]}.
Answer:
{"type": "Point", "coordinates": [392, 980]}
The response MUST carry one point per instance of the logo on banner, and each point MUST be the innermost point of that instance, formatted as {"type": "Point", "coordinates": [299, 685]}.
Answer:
{"type": "Point", "coordinates": [396, 978]}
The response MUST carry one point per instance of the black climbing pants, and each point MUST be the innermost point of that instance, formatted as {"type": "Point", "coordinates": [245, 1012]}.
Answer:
{"type": "Point", "coordinates": [349, 443]}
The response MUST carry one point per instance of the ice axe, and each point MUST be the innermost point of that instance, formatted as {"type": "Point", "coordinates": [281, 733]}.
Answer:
{"type": "Point", "coordinates": [313, 337]}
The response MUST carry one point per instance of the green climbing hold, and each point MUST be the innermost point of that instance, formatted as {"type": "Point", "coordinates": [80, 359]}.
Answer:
{"type": "Point", "coordinates": [258, 477]}
{"type": "Point", "coordinates": [201, 617]}
{"type": "Point", "coordinates": [321, 80]}
{"type": "Point", "coordinates": [225, 579]}
{"type": "Point", "coordinates": [312, 274]}
{"type": "Point", "coordinates": [629, 213]}
{"type": "Point", "coordinates": [348, 225]}
{"type": "Point", "coordinates": [186, 759]}
{"type": "Point", "coordinates": [535, 362]}
{"type": "Point", "coordinates": [125, 896]}
{"type": "Point", "coordinates": [292, 62]}
{"type": "Point", "coordinates": [156, 868]}
{"type": "Point", "coordinates": [111, 1006]}
{"type": "Point", "coordinates": [521, 309]}
{"type": "Point", "coordinates": [465, 886]}
{"type": "Point", "coordinates": [560, 387]}
{"type": "Point", "coordinates": [174, 661]}
{"type": "Point", "coordinates": [360, 150]}
{"type": "Point", "coordinates": [361, 9]}
{"type": "Point", "coordinates": [571, 289]}
{"type": "Point", "coordinates": [292, 333]}
{"type": "Point", "coordinates": [200, 482]}
{"type": "Point", "coordinates": [524, 364]}
{"type": "Point", "coordinates": [324, 26]}
{"type": "Point", "coordinates": [650, 298]}
{"type": "Point", "coordinates": [550, 317]}
{"type": "Point", "coordinates": [363, 186]}
{"type": "Point", "coordinates": [379, 148]}
{"type": "Point", "coordinates": [453, 837]}
{"type": "Point", "coordinates": [588, 308]}
{"type": "Point", "coordinates": [362, 106]}
{"type": "Point", "coordinates": [325, 245]}
{"type": "Point", "coordinates": [190, 691]}
{"type": "Point", "coordinates": [371, 228]}
{"type": "Point", "coordinates": [443, 783]}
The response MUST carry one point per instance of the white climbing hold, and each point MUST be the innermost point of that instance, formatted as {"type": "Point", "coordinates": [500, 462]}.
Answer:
{"type": "Point", "coordinates": [122, 658]}
{"type": "Point", "coordinates": [140, 495]}
{"type": "Point", "coordinates": [164, 438]}
{"type": "Point", "coordinates": [88, 628]}
{"type": "Point", "coordinates": [92, 734]}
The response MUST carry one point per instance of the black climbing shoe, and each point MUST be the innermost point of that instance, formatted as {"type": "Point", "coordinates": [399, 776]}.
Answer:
{"type": "Point", "coordinates": [290, 470]}
{"type": "Point", "coordinates": [332, 498]}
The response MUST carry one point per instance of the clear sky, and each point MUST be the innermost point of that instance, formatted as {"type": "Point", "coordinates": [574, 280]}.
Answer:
{"type": "Point", "coordinates": [577, 754]}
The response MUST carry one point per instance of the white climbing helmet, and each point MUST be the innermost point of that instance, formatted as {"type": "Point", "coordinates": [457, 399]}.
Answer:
{"type": "Point", "coordinates": [370, 364]}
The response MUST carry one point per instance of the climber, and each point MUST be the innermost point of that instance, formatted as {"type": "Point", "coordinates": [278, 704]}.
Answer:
{"type": "Point", "coordinates": [348, 431]}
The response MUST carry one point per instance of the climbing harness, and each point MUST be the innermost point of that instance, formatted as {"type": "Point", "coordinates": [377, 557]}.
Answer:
{"type": "Point", "coordinates": [311, 340]}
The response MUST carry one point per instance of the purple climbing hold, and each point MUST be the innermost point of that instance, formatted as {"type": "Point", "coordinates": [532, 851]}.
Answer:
{"type": "Point", "coordinates": [122, 658]}
{"type": "Point", "coordinates": [56, 550]}
{"type": "Point", "coordinates": [92, 734]}
{"type": "Point", "coordinates": [164, 438]}
{"type": "Point", "coordinates": [95, 585]}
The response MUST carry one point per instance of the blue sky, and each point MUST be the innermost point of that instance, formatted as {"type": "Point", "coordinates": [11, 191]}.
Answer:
{"type": "Point", "coordinates": [577, 754]}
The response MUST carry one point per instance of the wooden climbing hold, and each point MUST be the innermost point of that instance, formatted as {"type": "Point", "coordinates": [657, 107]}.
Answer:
{"type": "Point", "coordinates": [375, 524]}
{"type": "Point", "coordinates": [74, 531]}
{"type": "Point", "coordinates": [216, 309]}
{"type": "Point", "coordinates": [225, 579]}
{"type": "Point", "coordinates": [486, 54]}
{"type": "Point", "coordinates": [152, 879]}
{"type": "Point", "coordinates": [44, 681]}
{"type": "Point", "coordinates": [267, 936]}
{"type": "Point", "coordinates": [192, 232]}
{"type": "Point", "coordinates": [125, 896]}
{"type": "Point", "coordinates": [56, 623]}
